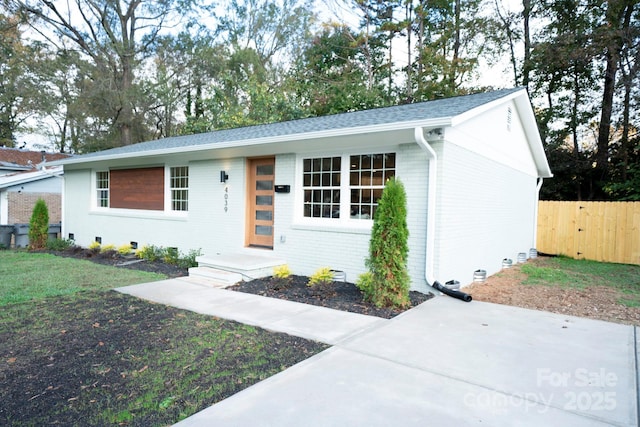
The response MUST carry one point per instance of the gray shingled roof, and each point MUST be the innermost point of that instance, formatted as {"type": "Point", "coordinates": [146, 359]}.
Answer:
{"type": "Point", "coordinates": [441, 108]}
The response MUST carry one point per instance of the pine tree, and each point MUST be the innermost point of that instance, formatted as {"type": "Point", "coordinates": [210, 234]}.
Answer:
{"type": "Point", "coordinates": [39, 226]}
{"type": "Point", "coordinates": [388, 249]}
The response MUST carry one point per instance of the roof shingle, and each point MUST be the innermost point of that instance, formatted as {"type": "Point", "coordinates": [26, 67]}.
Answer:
{"type": "Point", "coordinates": [441, 108]}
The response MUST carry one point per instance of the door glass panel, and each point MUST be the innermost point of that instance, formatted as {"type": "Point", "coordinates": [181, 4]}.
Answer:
{"type": "Point", "coordinates": [264, 185]}
{"type": "Point", "coordinates": [264, 215]}
{"type": "Point", "coordinates": [263, 230]}
{"type": "Point", "coordinates": [264, 200]}
{"type": "Point", "coordinates": [264, 170]}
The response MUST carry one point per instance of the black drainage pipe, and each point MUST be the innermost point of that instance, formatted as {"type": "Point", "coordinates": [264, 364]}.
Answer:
{"type": "Point", "coordinates": [455, 294]}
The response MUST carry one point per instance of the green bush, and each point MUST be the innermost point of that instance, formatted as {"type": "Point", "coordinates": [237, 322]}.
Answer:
{"type": "Point", "coordinates": [39, 226]}
{"type": "Point", "coordinates": [322, 277]}
{"type": "Point", "coordinates": [124, 249]}
{"type": "Point", "coordinates": [282, 272]}
{"type": "Point", "coordinates": [388, 250]}
{"type": "Point", "coordinates": [169, 255]}
{"type": "Point", "coordinates": [109, 247]}
{"type": "Point", "coordinates": [150, 253]}
{"type": "Point", "coordinates": [59, 244]}
{"type": "Point", "coordinates": [189, 260]}
{"type": "Point", "coordinates": [365, 284]}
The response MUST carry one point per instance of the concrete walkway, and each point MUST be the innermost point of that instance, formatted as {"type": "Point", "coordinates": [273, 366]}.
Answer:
{"type": "Point", "coordinates": [444, 363]}
{"type": "Point", "coordinates": [302, 320]}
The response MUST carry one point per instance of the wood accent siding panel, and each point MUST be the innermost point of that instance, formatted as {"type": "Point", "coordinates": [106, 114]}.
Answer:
{"type": "Point", "coordinates": [141, 188]}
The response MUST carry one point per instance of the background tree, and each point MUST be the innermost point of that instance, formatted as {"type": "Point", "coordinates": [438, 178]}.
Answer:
{"type": "Point", "coordinates": [116, 36]}
{"type": "Point", "coordinates": [19, 90]}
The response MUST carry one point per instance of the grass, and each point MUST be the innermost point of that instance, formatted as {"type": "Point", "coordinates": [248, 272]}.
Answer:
{"type": "Point", "coordinates": [581, 274]}
{"type": "Point", "coordinates": [26, 276]}
{"type": "Point", "coordinates": [74, 352]}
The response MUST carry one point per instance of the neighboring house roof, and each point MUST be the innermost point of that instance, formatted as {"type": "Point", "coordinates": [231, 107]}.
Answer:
{"type": "Point", "coordinates": [20, 178]}
{"type": "Point", "coordinates": [437, 113]}
{"type": "Point", "coordinates": [16, 159]}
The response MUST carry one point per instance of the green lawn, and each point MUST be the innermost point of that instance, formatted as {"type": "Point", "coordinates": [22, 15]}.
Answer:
{"type": "Point", "coordinates": [581, 274]}
{"type": "Point", "coordinates": [75, 352]}
{"type": "Point", "coordinates": [26, 276]}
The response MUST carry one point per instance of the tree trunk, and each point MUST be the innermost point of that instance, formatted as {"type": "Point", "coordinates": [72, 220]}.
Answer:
{"type": "Point", "coordinates": [526, 64]}
{"type": "Point", "coordinates": [615, 11]}
{"type": "Point", "coordinates": [409, 18]}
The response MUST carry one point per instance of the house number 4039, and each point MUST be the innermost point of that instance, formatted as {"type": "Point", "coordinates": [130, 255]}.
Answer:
{"type": "Point", "coordinates": [226, 199]}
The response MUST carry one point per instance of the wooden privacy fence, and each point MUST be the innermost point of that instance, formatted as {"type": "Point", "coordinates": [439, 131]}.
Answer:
{"type": "Point", "coordinates": [600, 231]}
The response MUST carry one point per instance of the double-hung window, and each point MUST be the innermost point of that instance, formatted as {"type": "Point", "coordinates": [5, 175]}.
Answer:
{"type": "Point", "coordinates": [102, 189]}
{"type": "Point", "coordinates": [338, 192]}
{"type": "Point", "coordinates": [179, 183]}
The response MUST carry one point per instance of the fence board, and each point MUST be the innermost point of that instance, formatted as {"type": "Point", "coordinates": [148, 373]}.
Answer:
{"type": "Point", "coordinates": [600, 231]}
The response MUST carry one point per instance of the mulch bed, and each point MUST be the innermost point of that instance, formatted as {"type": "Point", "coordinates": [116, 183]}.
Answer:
{"type": "Point", "coordinates": [339, 295]}
{"type": "Point", "coordinates": [342, 296]}
{"type": "Point", "coordinates": [115, 259]}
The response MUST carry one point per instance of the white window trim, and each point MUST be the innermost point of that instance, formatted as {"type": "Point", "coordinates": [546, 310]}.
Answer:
{"type": "Point", "coordinates": [342, 224]}
{"type": "Point", "coordinates": [167, 190]}
{"type": "Point", "coordinates": [167, 213]}
{"type": "Point", "coordinates": [94, 191]}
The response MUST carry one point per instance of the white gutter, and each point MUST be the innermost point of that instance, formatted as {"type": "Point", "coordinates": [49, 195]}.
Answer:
{"type": "Point", "coordinates": [431, 204]}
{"type": "Point", "coordinates": [535, 212]}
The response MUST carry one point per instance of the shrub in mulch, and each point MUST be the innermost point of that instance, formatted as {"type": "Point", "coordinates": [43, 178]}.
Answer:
{"type": "Point", "coordinates": [339, 295]}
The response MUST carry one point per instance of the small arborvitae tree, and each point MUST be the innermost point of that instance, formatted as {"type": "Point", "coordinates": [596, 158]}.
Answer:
{"type": "Point", "coordinates": [39, 226]}
{"type": "Point", "coordinates": [388, 250]}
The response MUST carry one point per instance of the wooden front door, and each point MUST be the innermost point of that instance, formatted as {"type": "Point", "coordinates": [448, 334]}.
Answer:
{"type": "Point", "coordinates": [260, 204]}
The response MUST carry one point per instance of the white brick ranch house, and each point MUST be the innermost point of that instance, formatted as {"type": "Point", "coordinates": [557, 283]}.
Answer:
{"type": "Point", "coordinates": [303, 192]}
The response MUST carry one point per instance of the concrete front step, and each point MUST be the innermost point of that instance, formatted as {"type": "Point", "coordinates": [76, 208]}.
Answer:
{"type": "Point", "coordinates": [213, 277]}
{"type": "Point", "coordinates": [250, 265]}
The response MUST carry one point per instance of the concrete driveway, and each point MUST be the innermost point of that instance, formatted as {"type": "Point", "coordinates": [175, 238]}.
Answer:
{"type": "Point", "coordinates": [444, 363]}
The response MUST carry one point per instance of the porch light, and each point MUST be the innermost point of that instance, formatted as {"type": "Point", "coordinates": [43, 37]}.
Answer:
{"type": "Point", "coordinates": [223, 176]}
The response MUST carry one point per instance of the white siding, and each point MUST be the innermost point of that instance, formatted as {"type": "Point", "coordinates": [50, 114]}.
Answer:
{"type": "Point", "coordinates": [486, 212]}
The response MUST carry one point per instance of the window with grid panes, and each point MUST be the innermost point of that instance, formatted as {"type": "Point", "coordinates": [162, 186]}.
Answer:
{"type": "Point", "coordinates": [368, 174]}
{"type": "Point", "coordinates": [179, 184]}
{"type": "Point", "coordinates": [321, 185]}
{"type": "Point", "coordinates": [102, 188]}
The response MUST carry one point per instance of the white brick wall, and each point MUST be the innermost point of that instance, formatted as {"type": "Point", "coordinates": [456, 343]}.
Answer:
{"type": "Point", "coordinates": [307, 248]}
{"type": "Point", "coordinates": [486, 212]}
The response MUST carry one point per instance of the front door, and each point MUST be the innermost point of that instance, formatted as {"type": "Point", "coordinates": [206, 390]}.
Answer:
{"type": "Point", "coordinates": [260, 203]}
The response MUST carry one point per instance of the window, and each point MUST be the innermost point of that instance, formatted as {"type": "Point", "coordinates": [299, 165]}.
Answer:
{"type": "Point", "coordinates": [324, 181]}
{"type": "Point", "coordinates": [102, 187]}
{"type": "Point", "coordinates": [367, 175]}
{"type": "Point", "coordinates": [179, 184]}
{"type": "Point", "coordinates": [321, 184]}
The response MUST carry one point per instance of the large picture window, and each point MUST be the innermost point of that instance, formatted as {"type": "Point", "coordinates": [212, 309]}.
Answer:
{"type": "Point", "coordinates": [325, 182]}
{"type": "Point", "coordinates": [102, 188]}
{"type": "Point", "coordinates": [179, 188]}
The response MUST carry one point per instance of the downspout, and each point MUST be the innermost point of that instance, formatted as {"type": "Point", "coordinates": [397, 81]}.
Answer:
{"type": "Point", "coordinates": [431, 205]}
{"type": "Point", "coordinates": [535, 212]}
